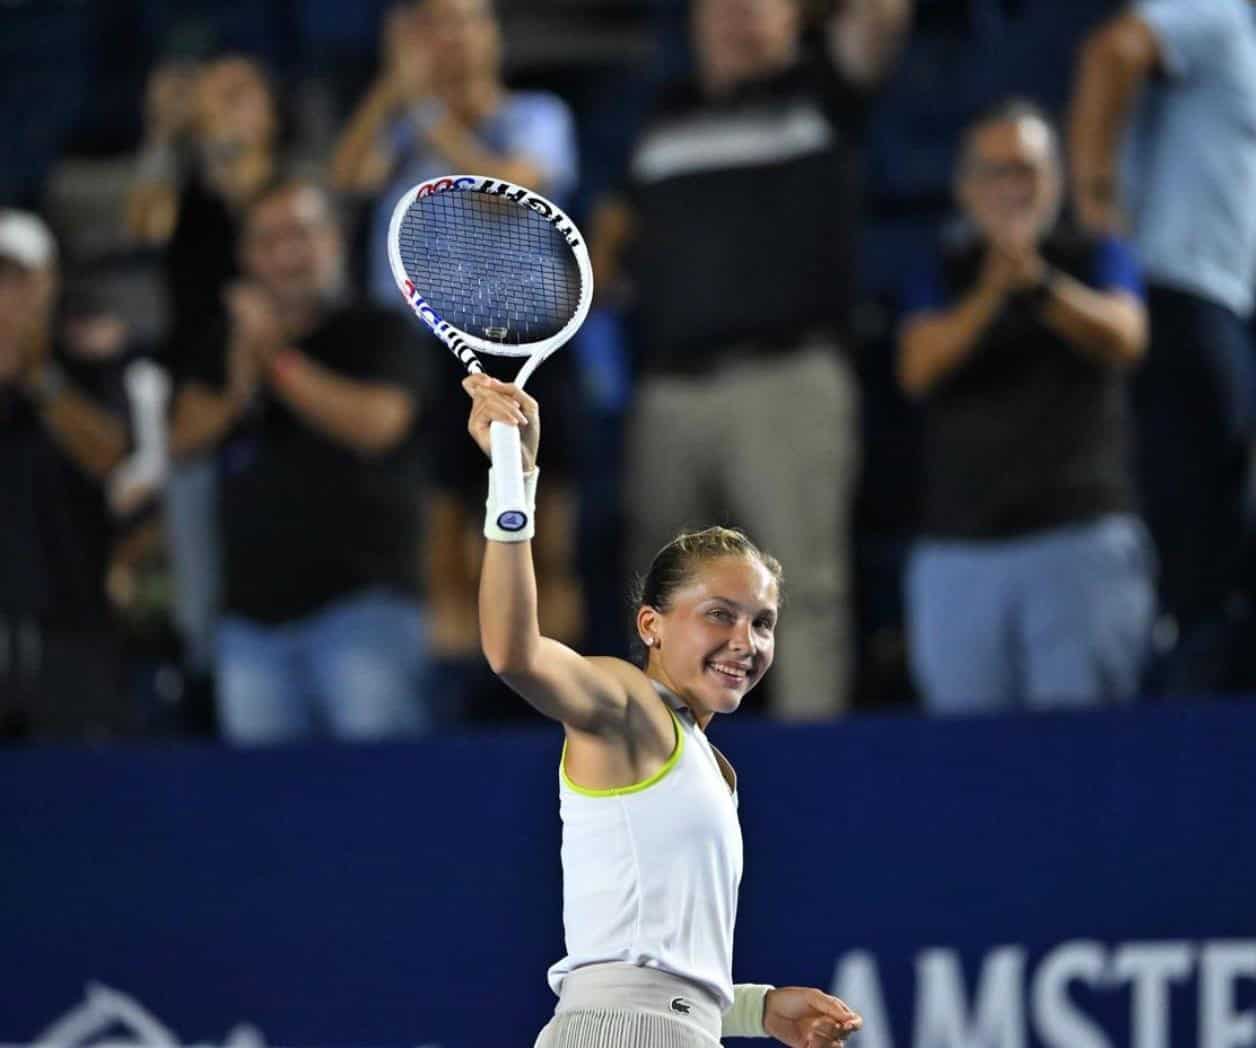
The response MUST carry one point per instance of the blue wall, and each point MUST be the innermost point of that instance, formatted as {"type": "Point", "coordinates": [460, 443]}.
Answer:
{"type": "Point", "coordinates": [410, 895]}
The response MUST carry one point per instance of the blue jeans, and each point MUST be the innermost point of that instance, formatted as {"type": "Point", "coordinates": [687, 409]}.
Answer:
{"type": "Point", "coordinates": [349, 671]}
{"type": "Point", "coordinates": [1058, 619]}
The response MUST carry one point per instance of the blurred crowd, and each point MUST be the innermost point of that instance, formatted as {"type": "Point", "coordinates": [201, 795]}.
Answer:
{"type": "Point", "coordinates": [243, 503]}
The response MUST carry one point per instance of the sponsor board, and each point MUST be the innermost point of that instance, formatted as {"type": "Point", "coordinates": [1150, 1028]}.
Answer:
{"type": "Point", "coordinates": [1060, 882]}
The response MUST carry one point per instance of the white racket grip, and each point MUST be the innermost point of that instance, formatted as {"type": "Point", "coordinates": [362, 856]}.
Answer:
{"type": "Point", "coordinates": [510, 513]}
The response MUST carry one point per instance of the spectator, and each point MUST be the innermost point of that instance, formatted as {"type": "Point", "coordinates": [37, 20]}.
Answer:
{"type": "Point", "coordinates": [438, 106]}
{"type": "Point", "coordinates": [211, 142]}
{"type": "Point", "coordinates": [1174, 81]}
{"type": "Point", "coordinates": [1031, 588]}
{"type": "Point", "coordinates": [63, 430]}
{"type": "Point", "coordinates": [316, 398]}
{"type": "Point", "coordinates": [741, 211]}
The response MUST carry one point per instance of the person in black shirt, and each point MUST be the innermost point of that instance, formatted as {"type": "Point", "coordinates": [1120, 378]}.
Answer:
{"type": "Point", "coordinates": [313, 400]}
{"type": "Point", "coordinates": [738, 229]}
{"type": "Point", "coordinates": [211, 142]}
{"type": "Point", "coordinates": [63, 431]}
{"type": "Point", "coordinates": [1031, 587]}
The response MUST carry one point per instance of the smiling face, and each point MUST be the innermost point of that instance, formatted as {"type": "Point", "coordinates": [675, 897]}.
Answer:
{"type": "Point", "coordinates": [291, 245]}
{"type": "Point", "coordinates": [716, 638]}
{"type": "Point", "coordinates": [1009, 179]}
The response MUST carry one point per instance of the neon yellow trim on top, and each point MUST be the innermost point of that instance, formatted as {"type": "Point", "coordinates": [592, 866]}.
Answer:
{"type": "Point", "coordinates": [636, 787]}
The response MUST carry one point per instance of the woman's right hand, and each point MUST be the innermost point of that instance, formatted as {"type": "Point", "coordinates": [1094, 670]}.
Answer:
{"type": "Point", "coordinates": [495, 401]}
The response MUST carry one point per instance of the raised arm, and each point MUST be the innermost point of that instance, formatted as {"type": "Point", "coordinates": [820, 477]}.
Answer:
{"type": "Point", "coordinates": [153, 201]}
{"type": "Point", "coordinates": [362, 159]}
{"type": "Point", "coordinates": [1116, 60]}
{"type": "Point", "coordinates": [590, 695]}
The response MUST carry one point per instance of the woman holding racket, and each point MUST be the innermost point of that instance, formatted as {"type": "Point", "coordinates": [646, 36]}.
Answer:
{"type": "Point", "coordinates": [652, 849]}
{"type": "Point", "coordinates": [652, 852]}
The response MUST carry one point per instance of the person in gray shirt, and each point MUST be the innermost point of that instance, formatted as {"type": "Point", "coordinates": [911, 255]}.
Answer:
{"type": "Point", "coordinates": [1163, 142]}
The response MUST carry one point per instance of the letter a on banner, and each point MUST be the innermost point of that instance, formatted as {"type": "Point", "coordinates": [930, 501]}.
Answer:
{"type": "Point", "coordinates": [857, 982]}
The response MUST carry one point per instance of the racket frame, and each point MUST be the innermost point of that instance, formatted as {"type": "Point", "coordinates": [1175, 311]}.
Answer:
{"type": "Point", "coordinates": [514, 513]}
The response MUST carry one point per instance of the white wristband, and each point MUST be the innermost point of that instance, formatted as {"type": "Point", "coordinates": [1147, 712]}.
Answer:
{"type": "Point", "coordinates": [745, 1017]}
{"type": "Point", "coordinates": [491, 512]}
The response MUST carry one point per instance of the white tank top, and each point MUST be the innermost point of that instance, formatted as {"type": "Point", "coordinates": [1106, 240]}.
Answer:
{"type": "Point", "coordinates": [651, 871]}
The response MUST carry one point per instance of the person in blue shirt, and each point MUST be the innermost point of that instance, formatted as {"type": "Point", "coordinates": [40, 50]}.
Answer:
{"type": "Point", "coordinates": [1031, 585]}
{"type": "Point", "coordinates": [439, 107]}
{"type": "Point", "coordinates": [1163, 142]}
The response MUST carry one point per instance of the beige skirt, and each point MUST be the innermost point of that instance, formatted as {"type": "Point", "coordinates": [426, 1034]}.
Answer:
{"type": "Point", "coordinates": [623, 1006]}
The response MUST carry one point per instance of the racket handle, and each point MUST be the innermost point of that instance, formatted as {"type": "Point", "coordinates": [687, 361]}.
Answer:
{"type": "Point", "coordinates": [512, 504]}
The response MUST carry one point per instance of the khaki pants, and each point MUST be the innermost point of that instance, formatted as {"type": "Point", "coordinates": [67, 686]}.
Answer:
{"type": "Point", "coordinates": [771, 446]}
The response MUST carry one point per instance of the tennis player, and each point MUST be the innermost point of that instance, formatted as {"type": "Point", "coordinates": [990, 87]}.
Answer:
{"type": "Point", "coordinates": [652, 849]}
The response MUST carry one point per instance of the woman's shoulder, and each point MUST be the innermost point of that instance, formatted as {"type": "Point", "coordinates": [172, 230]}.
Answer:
{"type": "Point", "coordinates": [637, 685]}
{"type": "Point", "coordinates": [646, 713]}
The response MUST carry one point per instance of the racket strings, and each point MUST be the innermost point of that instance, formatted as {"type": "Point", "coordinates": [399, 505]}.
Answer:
{"type": "Point", "coordinates": [490, 267]}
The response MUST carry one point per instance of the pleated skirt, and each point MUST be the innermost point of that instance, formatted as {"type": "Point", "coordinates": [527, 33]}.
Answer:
{"type": "Point", "coordinates": [623, 1006]}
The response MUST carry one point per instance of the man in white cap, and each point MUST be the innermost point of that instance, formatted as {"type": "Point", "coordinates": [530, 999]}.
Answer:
{"type": "Point", "coordinates": [60, 666]}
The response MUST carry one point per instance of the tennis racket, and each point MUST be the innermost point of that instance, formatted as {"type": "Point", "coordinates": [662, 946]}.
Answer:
{"type": "Point", "coordinates": [492, 267]}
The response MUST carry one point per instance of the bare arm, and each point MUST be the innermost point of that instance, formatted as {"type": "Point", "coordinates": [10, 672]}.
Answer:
{"type": "Point", "coordinates": [588, 695]}
{"type": "Point", "coordinates": [866, 36]}
{"type": "Point", "coordinates": [465, 153]}
{"type": "Point", "coordinates": [611, 231]}
{"type": "Point", "coordinates": [94, 438]}
{"type": "Point", "coordinates": [361, 162]}
{"type": "Point", "coordinates": [202, 417]}
{"type": "Point", "coordinates": [1108, 325]}
{"type": "Point", "coordinates": [152, 206]}
{"type": "Point", "coordinates": [152, 210]}
{"type": "Point", "coordinates": [931, 345]}
{"type": "Point", "coordinates": [370, 417]}
{"type": "Point", "coordinates": [1115, 62]}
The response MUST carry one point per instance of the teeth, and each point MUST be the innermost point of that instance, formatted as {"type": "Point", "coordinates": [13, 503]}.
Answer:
{"type": "Point", "coordinates": [737, 672]}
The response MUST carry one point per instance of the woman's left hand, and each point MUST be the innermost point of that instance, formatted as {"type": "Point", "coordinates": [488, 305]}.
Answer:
{"type": "Point", "coordinates": [802, 1017]}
